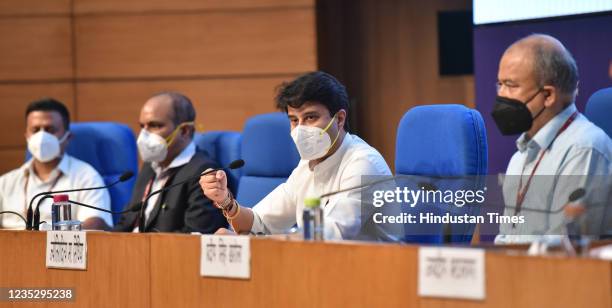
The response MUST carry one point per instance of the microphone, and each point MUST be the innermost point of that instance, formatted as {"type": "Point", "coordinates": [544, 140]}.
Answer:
{"type": "Point", "coordinates": [236, 164]}
{"type": "Point", "coordinates": [126, 176]}
{"type": "Point", "coordinates": [424, 185]}
{"type": "Point", "coordinates": [133, 208]}
{"type": "Point", "coordinates": [574, 196]}
{"type": "Point", "coordinates": [381, 234]}
{"type": "Point", "coordinates": [33, 217]}
{"type": "Point", "coordinates": [572, 226]}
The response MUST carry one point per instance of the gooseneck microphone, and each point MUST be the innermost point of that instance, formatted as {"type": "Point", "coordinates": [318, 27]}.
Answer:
{"type": "Point", "coordinates": [132, 208]}
{"type": "Point", "coordinates": [368, 184]}
{"type": "Point", "coordinates": [574, 196]}
{"type": "Point", "coordinates": [236, 164]}
{"type": "Point", "coordinates": [573, 229]}
{"type": "Point", "coordinates": [33, 217]}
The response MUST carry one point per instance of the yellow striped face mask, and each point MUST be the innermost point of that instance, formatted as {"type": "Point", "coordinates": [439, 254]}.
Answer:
{"type": "Point", "coordinates": [153, 147]}
{"type": "Point", "coordinates": [313, 142]}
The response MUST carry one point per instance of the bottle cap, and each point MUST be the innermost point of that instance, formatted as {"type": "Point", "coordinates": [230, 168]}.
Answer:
{"type": "Point", "coordinates": [312, 203]}
{"type": "Point", "coordinates": [60, 198]}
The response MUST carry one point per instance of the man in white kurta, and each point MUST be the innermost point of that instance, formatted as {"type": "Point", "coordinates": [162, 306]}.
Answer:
{"type": "Point", "coordinates": [331, 160]}
{"type": "Point", "coordinates": [50, 169]}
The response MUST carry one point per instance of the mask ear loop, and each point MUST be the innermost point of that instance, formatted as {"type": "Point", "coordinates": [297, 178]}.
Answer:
{"type": "Point", "coordinates": [531, 99]}
{"type": "Point", "coordinates": [170, 138]}
{"type": "Point", "coordinates": [63, 139]}
{"type": "Point", "coordinates": [327, 128]}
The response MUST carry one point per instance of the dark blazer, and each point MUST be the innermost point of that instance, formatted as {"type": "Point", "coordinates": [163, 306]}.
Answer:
{"type": "Point", "coordinates": [183, 208]}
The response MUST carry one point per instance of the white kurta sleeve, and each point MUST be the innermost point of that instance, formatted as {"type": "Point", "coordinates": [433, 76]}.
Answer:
{"type": "Point", "coordinates": [276, 212]}
{"type": "Point", "coordinates": [343, 212]}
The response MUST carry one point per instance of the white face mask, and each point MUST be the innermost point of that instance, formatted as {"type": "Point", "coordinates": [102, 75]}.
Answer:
{"type": "Point", "coordinates": [313, 142]}
{"type": "Point", "coordinates": [45, 147]}
{"type": "Point", "coordinates": [153, 147]}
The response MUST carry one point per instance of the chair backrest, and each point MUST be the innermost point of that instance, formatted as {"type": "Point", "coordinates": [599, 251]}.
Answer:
{"type": "Point", "coordinates": [441, 141]}
{"type": "Point", "coordinates": [111, 149]}
{"type": "Point", "coordinates": [599, 109]}
{"type": "Point", "coordinates": [223, 147]}
{"type": "Point", "coordinates": [269, 154]}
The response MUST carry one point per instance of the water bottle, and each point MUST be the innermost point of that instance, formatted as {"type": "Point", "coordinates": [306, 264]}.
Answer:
{"type": "Point", "coordinates": [313, 219]}
{"type": "Point", "coordinates": [61, 215]}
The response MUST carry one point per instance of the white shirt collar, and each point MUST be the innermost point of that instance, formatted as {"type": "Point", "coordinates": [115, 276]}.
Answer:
{"type": "Point", "coordinates": [63, 167]}
{"type": "Point", "coordinates": [547, 133]}
{"type": "Point", "coordinates": [182, 159]}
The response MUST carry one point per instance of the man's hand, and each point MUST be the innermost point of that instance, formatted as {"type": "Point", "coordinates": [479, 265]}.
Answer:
{"type": "Point", "coordinates": [573, 210]}
{"type": "Point", "coordinates": [214, 186]}
{"type": "Point", "coordinates": [223, 231]}
{"type": "Point", "coordinates": [95, 223]}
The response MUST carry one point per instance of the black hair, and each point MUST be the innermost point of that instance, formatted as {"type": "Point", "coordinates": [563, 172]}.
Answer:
{"type": "Point", "coordinates": [317, 87]}
{"type": "Point", "coordinates": [50, 104]}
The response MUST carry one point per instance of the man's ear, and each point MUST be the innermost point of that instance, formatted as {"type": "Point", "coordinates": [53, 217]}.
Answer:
{"type": "Point", "coordinates": [550, 95]}
{"type": "Point", "coordinates": [341, 115]}
{"type": "Point", "coordinates": [187, 129]}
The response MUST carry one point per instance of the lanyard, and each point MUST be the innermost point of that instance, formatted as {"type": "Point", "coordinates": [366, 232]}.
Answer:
{"type": "Point", "coordinates": [25, 188]}
{"type": "Point", "coordinates": [522, 191]}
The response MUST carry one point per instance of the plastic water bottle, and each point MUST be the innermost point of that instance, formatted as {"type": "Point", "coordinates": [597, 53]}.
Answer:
{"type": "Point", "coordinates": [61, 215]}
{"type": "Point", "coordinates": [313, 219]}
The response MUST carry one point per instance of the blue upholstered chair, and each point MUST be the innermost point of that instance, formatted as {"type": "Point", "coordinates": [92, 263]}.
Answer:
{"type": "Point", "coordinates": [223, 147]}
{"type": "Point", "coordinates": [111, 149]}
{"type": "Point", "coordinates": [436, 141]}
{"type": "Point", "coordinates": [269, 154]}
{"type": "Point", "coordinates": [599, 109]}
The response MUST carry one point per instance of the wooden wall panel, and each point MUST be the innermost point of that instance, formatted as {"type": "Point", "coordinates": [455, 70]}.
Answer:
{"type": "Point", "coordinates": [140, 6]}
{"type": "Point", "coordinates": [219, 43]}
{"type": "Point", "coordinates": [18, 96]}
{"type": "Point", "coordinates": [392, 62]}
{"type": "Point", "coordinates": [221, 104]}
{"type": "Point", "coordinates": [34, 7]}
{"type": "Point", "coordinates": [104, 58]}
{"type": "Point", "coordinates": [35, 48]}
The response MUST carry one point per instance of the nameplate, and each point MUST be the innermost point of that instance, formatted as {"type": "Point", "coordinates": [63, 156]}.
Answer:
{"type": "Point", "coordinates": [452, 273]}
{"type": "Point", "coordinates": [227, 256]}
{"type": "Point", "coordinates": [67, 249]}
